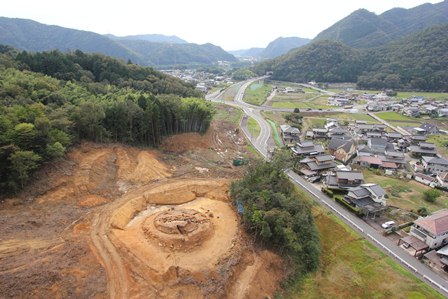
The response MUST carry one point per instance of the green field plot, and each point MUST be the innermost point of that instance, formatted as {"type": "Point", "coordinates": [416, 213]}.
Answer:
{"type": "Point", "coordinates": [257, 93]}
{"type": "Point", "coordinates": [351, 267]}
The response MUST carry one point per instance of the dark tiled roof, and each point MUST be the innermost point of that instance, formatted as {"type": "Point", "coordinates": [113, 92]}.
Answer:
{"type": "Point", "coordinates": [376, 189]}
{"type": "Point", "coordinates": [349, 175]}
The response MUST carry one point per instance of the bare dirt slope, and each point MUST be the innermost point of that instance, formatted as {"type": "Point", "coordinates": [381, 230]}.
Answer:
{"type": "Point", "coordinates": [112, 221]}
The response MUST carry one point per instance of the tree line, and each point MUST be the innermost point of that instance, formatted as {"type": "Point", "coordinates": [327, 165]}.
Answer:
{"type": "Point", "coordinates": [275, 213]}
{"type": "Point", "coordinates": [42, 116]}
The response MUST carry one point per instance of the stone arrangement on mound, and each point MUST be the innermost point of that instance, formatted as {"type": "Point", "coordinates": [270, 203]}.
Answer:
{"type": "Point", "coordinates": [178, 228]}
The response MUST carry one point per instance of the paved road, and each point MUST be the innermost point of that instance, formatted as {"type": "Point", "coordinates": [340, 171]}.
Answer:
{"type": "Point", "coordinates": [397, 129]}
{"type": "Point", "coordinates": [420, 270]}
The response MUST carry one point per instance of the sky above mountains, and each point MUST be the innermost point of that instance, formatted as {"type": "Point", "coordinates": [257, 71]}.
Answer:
{"type": "Point", "coordinates": [231, 24]}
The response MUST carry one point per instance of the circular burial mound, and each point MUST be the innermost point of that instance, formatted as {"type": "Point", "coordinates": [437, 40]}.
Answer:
{"type": "Point", "coordinates": [178, 228]}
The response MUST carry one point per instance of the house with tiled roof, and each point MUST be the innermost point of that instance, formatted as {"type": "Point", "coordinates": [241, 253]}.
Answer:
{"type": "Point", "coordinates": [368, 198]}
{"type": "Point", "coordinates": [425, 179]}
{"type": "Point", "coordinates": [342, 149]}
{"type": "Point", "coordinates": [433, 229]}
{"type": "Point", "coordinates": [319, 162]}
{"type": "Point", "coordinates": [423, 149]}
{"type": "Point", "coordinates": [435, 165]}
{"type": "Point", "coordinates": [343, 180]}
{"type": "Point", "coordinates": [290, 134]}
{"type": "Point", "coordinates": [306, 148]}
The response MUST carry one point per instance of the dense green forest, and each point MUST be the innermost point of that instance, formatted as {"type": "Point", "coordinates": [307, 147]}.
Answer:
{"type": "Point", "coordinates": [416, 62]}
{"type": "Point", "coordinates": [363, 29]}
{"type": "Point", "coordinates": [95, 98]}
{"type": "Point", "coordinates": [276, 214]}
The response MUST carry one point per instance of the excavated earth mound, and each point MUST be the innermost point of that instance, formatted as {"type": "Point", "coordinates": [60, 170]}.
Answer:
{"type": "Point", "coordinates": [113, 221]}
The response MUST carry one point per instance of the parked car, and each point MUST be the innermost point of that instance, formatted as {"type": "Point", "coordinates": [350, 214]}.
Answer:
{"type": "Point", "coordinates": [388, 224]}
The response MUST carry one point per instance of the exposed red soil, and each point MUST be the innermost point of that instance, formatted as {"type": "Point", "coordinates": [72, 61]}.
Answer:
{"type": "Point", "coordinates": [122, 222]}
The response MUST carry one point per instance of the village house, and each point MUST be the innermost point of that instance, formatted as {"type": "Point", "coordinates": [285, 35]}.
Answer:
{"type": "Point", "coordinates": [332, 101]}
{"type": "Point", "coordinates": [423, 149]}
{"type": "Point", "coordinates": [369, 198]}
{"type": "Point", "coordinates": [443, 112]}
{"type": "Point", "coordinates": [435, 165]}
{"type": "Point", "coordinates": [426, 129]}
{"type": "Point", "coordinates": [320, 133]}
{"type": "Point", "coordinates": [397, 158]}
{"type": "Point", "coordinates": [411, 111]}
{"type": "Point", "coordinates": [393, 136]}
{"type": "Point", "coordinates": [319, 162]}
{"type": "Point", "coordinates": [290, 134]}
{"type": "Point", "coordinates": [339, 133]}
{"type": "Point", "coordinates": [305, 148]}
{"type": "Point", "coordinates": [430, 109]}
{"type": "Point", "coordinates": [433, 229]}
{"type": "Point", "coordinates": [425, 179]}
{"type": "Point", "coordinates": [416, 139]}
{"type": "Point", "coordinates": [365, 128]}
{"type": "Point", "coordinates": [343, 180]}
{"type": "Point", "coordinates": [342, 149]}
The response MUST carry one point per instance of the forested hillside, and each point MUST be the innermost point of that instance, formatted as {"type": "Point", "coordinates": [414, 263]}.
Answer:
{"type": "Point", "coordinates": [364, 29]}
{"type": "Point", "coordinates": [165, 54]}
{"type": "Point", "coordinates": [416, 62]}
{"type": "Point", "coordinates": [91, 97]}
{"type": "Point", "coordinates": [32, 36]}
{"type": "Point", "coordinates": [324, 61]}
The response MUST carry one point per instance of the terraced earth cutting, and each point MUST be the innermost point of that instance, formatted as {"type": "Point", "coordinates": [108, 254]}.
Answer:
{"type": "Point", "coordinates": [112, 221]}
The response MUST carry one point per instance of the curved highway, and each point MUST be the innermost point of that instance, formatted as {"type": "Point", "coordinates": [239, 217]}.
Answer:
{"type": "Point", "coordinates": [262, 144]}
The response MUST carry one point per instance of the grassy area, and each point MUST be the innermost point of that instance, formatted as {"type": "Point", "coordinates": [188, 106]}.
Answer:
{"type": "Point", "coordinates": [351, 267]}
{"type": "Point", "coordinates": [253, 127]}
{"type": "Point", "coordinates": [394, 116]}
{"type": "Point", "coordinates": [277, 138]}
{"type": "Point", "coordinates": [404, 124]}
{"type": "Point", "coordinates": [351, 117]}
{"type": "Point", "coordinates": [230, 93]}
{"type": "Point", "coordinates": [224, 112]}
{"type": "Point", "coordinates": [405, 194]}
{"type": "Point", "coordinates": [303, 101]}
{"type": "Point", "coordinates": [429, 95]}
{"type": "Point", "coordinates": [310, 123]}
{"type": "Point", "coordinates": [301, 105]}
{"type": "Point", "coordinates": [257, 93]}
{"type": "Point", "coordinates": [441, 142]}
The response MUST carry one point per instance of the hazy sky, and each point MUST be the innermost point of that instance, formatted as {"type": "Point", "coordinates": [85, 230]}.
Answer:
{"type": "Point", "coordinates": [231, 24]}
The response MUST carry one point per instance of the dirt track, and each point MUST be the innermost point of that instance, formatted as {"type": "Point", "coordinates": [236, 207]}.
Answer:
{"type": "Point", "coordinates": [121, 222]}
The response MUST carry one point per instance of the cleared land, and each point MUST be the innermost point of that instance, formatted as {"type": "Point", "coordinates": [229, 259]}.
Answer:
{"type": "Point", "coordinates": [122, 222]}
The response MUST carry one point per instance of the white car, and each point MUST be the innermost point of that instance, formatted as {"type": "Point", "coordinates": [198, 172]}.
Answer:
{"type": "Point", "coordinates": [388, 224]}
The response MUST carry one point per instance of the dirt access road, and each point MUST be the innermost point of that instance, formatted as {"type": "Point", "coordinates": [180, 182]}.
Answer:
{"type": "Point", "coordinates": [112, 221]}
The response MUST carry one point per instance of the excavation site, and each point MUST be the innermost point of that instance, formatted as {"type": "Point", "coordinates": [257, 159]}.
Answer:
{"type": "Point", "coordinates": [114, 221]}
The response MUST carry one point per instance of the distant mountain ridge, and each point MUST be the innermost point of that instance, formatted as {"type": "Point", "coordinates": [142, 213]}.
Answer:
{"type": "Point", "coordinates": [364, 29]}
{"type": "Point", "coordinates": [418, 61]}
{"type": "Point", "coordinates": [282, 45]}
{"type": "Point", "coordinates": [33, 36]}
{"type": "Point", "coordinates": [274, 49]}
{"type": "Point", "coordinates": [155, 38]}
